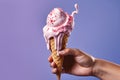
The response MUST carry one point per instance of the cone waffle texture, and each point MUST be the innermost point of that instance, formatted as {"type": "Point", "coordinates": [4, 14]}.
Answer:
{"type": "Point", "coordinates": [57, 59]}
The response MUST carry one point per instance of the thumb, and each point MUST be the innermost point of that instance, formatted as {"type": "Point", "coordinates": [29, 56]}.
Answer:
{"type": "Point", "coordinates": [68, 51]}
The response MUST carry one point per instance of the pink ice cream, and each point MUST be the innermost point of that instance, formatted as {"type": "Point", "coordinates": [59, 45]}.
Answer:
{"type": "Point", "coordinates": [59, 23]}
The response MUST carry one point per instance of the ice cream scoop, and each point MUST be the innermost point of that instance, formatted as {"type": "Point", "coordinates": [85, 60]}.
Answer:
{"type": "Point", "coordinates": [58, 24]}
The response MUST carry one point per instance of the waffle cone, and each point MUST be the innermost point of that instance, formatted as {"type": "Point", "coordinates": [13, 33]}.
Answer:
{"type": "Point", "coordinates": [57, 59]}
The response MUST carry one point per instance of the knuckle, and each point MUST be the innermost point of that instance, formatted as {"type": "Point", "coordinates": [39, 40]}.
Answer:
{"type": "Point", "coordinates": [67, 50]}
{"type": "Point", "coordinates": [54, 70]}
{"type": "Point", "coordinates": [51, 64]}
{"type": "Point", "coordinates": [77, 50]}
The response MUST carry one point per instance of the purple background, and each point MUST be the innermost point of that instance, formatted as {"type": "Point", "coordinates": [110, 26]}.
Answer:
{"type": "Point", "coordinates": [23, 52]}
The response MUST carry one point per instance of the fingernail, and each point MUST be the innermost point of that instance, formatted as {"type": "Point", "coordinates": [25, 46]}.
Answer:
{"type": "Point", "coordinates": [61, 52]}
{"type": "Point", "coordinates": [57, 53]}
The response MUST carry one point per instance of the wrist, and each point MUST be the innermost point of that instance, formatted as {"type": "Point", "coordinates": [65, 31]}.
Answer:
{"type": "Point", "coordinates": [97, 70]}
{"type": "Point", "coordinates": [93, 71]}
{"type": "Point", "coordinates": [105, 70]}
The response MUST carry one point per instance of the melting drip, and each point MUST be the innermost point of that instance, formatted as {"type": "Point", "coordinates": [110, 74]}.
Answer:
{"type": "Point", "coordinates": [76, 11]}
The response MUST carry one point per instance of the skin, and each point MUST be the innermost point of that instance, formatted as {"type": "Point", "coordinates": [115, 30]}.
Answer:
{"type": "Point", "coordinates": [79, 63]}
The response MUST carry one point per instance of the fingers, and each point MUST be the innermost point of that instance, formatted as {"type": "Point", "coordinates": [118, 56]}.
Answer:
{"type": "Point", "coordinates": [52, 64]}
{"type": "Point", "coordinates": [54, 67]}
{"type": "Point", "coordinates": [50, 59]}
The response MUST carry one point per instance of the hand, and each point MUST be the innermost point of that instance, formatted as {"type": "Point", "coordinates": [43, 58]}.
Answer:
{"type": "Point", "coordinates": [75, 62]}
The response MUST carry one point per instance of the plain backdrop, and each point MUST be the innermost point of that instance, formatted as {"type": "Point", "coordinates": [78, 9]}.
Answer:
{"type": "Point", "coordinates": [23, 52]}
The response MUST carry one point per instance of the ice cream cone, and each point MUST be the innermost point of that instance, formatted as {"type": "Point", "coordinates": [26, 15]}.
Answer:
{"type": "Point", "coordinates": [58, 28]}
{"type": "Point", "coordinates": [57, 59]}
